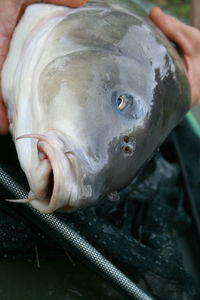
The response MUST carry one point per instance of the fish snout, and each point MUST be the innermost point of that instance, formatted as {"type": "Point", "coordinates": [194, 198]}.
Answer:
{"type": "Point", "coordinates": [54, 184]}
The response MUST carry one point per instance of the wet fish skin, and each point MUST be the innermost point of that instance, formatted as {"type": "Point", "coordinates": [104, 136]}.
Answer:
{"type": "Point", "coordinates": [93, 92]}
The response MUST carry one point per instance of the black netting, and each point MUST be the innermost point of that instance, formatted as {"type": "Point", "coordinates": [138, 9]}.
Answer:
{"type": "Point", "coordinates": [138, 230]}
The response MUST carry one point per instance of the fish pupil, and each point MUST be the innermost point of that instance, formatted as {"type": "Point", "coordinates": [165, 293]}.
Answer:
{"type": "Point", "coordinates": [122, 102]}
{"type": "Point", "coordinates": [119, 101]}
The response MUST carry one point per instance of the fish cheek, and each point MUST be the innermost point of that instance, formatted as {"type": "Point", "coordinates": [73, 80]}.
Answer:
{"type": "Point", "coordinates": [121, 153]}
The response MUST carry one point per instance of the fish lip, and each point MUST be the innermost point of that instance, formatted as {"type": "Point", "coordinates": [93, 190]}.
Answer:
{"type": "Point", "coordinates": [61, 192]}
{"type": "Point", "coordinates": [57, 175]}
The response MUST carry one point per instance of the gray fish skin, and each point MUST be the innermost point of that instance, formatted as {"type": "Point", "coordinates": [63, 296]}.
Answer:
{"type": "Point", "coordinates": [95, 91]}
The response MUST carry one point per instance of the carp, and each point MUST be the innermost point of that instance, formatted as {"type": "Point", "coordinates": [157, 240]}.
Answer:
{"type": "Point", "coordinates": [91, 93]}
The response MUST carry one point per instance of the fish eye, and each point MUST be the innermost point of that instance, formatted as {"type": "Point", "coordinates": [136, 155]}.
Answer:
{"type": "Point", "coordinates": [122, 102]}
{"type": "Point", "coordinates": [129, 106]}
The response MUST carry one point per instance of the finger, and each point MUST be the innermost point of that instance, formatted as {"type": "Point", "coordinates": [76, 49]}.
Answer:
{"type": "Point", "coordinates": [69, 3]}
{"type": "Point", "coordinates": [4, 45]}
{"type": "Point", "coordinates": [4, 125]}
{"type": "Point", "coordinates": [175, 30]}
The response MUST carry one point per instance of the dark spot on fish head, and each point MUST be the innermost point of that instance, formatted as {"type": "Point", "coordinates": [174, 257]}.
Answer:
{"type": "Point", "coordinates": [128, 146]}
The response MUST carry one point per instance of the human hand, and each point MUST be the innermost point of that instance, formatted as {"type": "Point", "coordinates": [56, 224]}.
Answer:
{"type": "Point", "coordinates": [187, 39]}
{"type": "Point", "coordinates": [10, 12]}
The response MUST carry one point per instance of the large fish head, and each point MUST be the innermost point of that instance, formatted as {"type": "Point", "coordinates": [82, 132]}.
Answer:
{"type": "Point", "coordinates": [108, 96]}
{"type": "Point", "coordinates": [106, 113]}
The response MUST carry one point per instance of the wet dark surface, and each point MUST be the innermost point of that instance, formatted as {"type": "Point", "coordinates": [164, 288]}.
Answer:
{"type": "Point", "coordinates": [56, 278]}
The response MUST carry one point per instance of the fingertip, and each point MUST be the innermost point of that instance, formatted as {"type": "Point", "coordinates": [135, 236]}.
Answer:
{"type": "Point", "coordinates": [82, 2]}
{"type": "Point", "coordinates": [156, 15]}
{"type": "Point", "coordinates": [74, 3]}
{"type": "Point", "coordinates": [69, 3]}
{"type": "Point", "coordinates": [154, 12]}
{"type": "Point", "coordinates": [167, 24]}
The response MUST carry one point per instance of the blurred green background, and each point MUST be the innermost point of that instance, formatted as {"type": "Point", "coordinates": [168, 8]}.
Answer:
{"type": "Point", "coordinates": [180, 8]}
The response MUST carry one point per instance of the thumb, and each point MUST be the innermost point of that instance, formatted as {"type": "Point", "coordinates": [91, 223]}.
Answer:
{"type": "Point", "coordinates": [175, 30]}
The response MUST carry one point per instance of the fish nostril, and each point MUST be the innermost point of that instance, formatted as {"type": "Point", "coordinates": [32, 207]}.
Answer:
{"type": "Point", "coordinates": [126, 139]}
{"type": "Point", "coordinates": [128, 149]}
{"type": "Point", "coordinates": [128, 145]}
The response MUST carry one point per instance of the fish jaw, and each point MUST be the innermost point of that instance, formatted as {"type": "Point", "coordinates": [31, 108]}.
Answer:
{"type": "Point", "coordinates": [54, 181]}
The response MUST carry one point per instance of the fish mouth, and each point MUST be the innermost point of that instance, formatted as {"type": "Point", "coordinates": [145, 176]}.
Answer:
{"type": "Point", "coordinates": [54, 186]}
